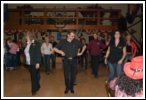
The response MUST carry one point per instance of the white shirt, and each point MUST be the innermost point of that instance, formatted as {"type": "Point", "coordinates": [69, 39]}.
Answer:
{"type": "Point", "coordinates": [26, 51]}
{"type": "Point", "coordinates": [47, 50]}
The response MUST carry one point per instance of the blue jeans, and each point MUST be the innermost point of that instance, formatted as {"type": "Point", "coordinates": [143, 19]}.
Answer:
{"type": "Point", "coordinates": [47, 62]}
{"type": "Point", "coordinates": [13, 61]}
{"type": "Point", "coordinates": [53, 59]}
{"type": "Point", "coordinates": [114, 69]}
{"type": "Point", "coordinates": [7, 59]}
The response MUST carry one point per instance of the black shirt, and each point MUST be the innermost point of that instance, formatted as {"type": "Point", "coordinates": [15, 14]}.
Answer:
{"type": "Point", "coordinates": [35, 53]}
{"type": "Point", "coordinates": [128, 48]}
{"type": "Point", "coordinates": [85, 52]}
{"type": "Point", "coordinates": [116, 52]}
{"type": "Point", "coordinates": [69, 48]}
{"type": "Point", "coordinates": [53, 43]}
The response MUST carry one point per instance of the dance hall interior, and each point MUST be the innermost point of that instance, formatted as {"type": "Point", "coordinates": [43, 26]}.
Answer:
{"type": "Point", "coordinates": [72, 49]}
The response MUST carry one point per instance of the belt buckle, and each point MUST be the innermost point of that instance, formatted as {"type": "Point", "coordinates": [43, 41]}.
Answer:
{"type": "Point", "coordinates": [70, 58]}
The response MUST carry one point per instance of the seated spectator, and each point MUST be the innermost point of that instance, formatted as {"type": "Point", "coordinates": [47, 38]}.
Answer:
{"type": "Point", "coordinates": [131, 83]}
{"type": "Point", "coordinates": [112, 83]}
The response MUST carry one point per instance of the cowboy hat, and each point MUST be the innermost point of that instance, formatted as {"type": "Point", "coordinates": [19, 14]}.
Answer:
{"type": "Point", "coordinates": [134, 69]}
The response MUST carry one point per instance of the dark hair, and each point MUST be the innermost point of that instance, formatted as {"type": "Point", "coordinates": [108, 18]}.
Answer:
{"type": "Point", "coordinates": [113, 37]}
{"type": "Point", "coordinates": [129, 85]}
{"type": "Point", "coordinates": [14, 41]}
{"type": "Point", "coordinates": [83, 40]}
{"type": "Point", "coordinates": [70, 31]}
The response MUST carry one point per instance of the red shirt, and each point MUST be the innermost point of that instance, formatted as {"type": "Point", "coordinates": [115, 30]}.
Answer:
{"type": "Point", "coordinates": [95, 47]}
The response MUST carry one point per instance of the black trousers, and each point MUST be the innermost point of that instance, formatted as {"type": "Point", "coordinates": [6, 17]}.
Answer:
{"type": "Point", "coordinates": [95, 63]}
{"type": "Point", "coordinates": [70, 67]}
{"type": "Point", "coordinates": [35, 77]}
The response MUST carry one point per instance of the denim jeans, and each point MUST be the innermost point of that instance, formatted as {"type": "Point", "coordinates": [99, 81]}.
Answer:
{"type": "Point", "coordinates": [114, 69]}
{"type": "Point", "coordinates": [7, 59]}
{"type": "Point", "coordinates": [46, 62]}
{"type": "Point", "coordinates": [53, 60]}
{"type": "Point", "coordinates": [13, 62]}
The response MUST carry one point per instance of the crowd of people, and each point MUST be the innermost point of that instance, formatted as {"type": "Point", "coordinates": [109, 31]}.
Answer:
{"type": "Point", "coordinates": [41, 48]}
